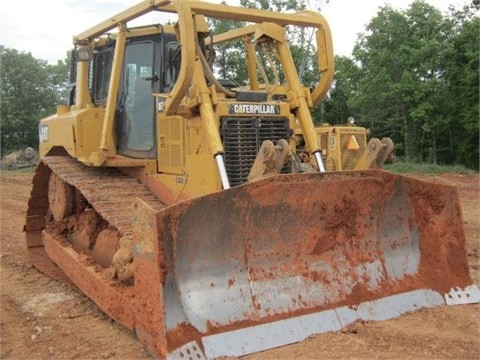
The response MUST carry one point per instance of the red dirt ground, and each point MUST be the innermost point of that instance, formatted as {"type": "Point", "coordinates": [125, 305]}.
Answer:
{"type": "Point", "coordinates": [43, 319]}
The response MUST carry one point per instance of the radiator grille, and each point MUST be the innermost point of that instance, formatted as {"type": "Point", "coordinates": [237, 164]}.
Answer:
{"type": "Point", "coordinates": [171, 144]}
{"type": "Point", "coordinates": [242, 138]}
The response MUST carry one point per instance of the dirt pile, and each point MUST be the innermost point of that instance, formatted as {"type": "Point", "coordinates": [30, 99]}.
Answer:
{"type": "Point", "coordinates": [20, 159]}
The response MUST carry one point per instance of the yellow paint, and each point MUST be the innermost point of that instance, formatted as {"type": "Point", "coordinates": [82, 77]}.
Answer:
{"type": "Point", "coordinates": [188, 123]}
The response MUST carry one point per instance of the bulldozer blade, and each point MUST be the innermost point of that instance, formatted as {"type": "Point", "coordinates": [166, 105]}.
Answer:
{"type": "Point", "coordinates": [272, 262]}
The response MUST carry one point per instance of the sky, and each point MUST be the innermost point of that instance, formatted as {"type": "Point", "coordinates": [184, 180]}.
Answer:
{"type": "Point", "coordinates": [45, 28]}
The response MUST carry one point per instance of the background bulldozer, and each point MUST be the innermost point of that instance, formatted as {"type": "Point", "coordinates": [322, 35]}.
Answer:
{"type": "Point", "coordinates": [214, 220]}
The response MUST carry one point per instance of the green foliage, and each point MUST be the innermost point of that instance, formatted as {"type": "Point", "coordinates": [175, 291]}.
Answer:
{"type": "Point", "coordinates": [230, 58]}
{"type": "Point", "coordinates": [462, 92]}
{"type": "Point", "coordinates": [423, 168]}
{"type": "Point", "coordinates": [413, 77]}
{"type": "Point", "coordinates": [336, 107]}
{"type": "Point", "coordinates": [30, 90]}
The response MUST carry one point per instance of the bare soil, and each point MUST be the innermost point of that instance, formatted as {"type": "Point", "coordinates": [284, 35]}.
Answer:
{"type": "Point", "coordinates": [44, 319]}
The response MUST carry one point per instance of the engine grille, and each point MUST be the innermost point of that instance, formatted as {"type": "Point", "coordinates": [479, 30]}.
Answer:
{"type": "Point", "coordinates": [242, 138]}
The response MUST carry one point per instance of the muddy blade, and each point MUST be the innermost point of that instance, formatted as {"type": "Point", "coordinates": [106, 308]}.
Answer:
{"type": "Point", "coordinates": [272, 262]}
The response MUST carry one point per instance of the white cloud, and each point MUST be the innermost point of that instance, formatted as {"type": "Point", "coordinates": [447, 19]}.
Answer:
{"type": "Point", "coordinates": [46, 28]}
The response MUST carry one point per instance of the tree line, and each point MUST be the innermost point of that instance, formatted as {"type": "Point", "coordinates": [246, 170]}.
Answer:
{"type": "Point", "coordinates": [30, 90]}
{"type": "Point", "coordinates": [413, 76]}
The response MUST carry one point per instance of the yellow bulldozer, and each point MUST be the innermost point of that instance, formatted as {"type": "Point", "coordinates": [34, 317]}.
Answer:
{"type": "Point", "coordinates": [217, 220]}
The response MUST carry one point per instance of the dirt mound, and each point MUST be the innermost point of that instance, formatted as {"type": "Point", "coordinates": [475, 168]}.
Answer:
{"type": "Point", "coordinates": [20, 159]}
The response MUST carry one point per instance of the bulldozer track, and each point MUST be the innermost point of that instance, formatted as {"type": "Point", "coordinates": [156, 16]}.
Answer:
{"type": "Point", "coordinates": [107, 190]}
